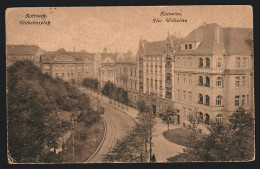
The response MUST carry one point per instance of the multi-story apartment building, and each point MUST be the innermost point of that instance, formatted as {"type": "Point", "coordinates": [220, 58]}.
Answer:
{"type": "Point", "coordinates": [214, 73]}
{"type": "Point", "coordinates": [70, 66]}
{"type": "Point", "coordinates": [23, 52]}
{"type": "Point", "coordinates": [156, 73]}
{"type": "Point", "coordinates": [127, 76]}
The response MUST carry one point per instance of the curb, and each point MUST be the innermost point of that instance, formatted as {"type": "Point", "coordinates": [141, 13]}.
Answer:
{"type": "Point", "coordinates": [122, 111]}
{"type": "Point", "coordinates": [103, 139]}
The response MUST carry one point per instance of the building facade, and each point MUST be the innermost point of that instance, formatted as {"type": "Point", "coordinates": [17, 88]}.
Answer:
{"type": "Point", "coordinates": [156, 73]}
{"type": "Point", "coordinates": [69, 66]}
{"type": "Point", "coordinates": [127, 76]}
{"type": "Point", "coordinates": [214, 73]}
{"type": "Point", "coordinates": [23, 52]}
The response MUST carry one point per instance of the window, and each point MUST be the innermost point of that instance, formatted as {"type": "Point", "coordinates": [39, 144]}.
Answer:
{"type": "Point", "coordinates": [151, 68]}
{"type": "Point", "coordinates": [200, 63]}
{"type": "Point", "coordinates": [244, 62]}
{"type": "Point", "coordinates": [62, 75]}
{"type": "Point", "coordinates": [207, 84]}
{"type": "Point", "coordinates": [184, 78]}
{"type": "Point", "coordinates": [243, 100]}
{"type": "Point", "coordinates": [190, 46]}
{"type": "Point", "coordinates": [219, 118]}
{"type": "Point", "coordinates": [184, 62]}
{"type": "Point", "coordinates": [207, 63]}
{"type": "Point", "coordinates": [190, 96]}
{"type": "Point", "coordinates": [237, 62]}
{"type": "Point", "coordinates": [168, 62]}
{"type": "Point", "coordinates": [207, 101]}
{"type": "Point", "coordinates": [131, 72]}
{"type": "Point", "coordinates": [141, 86]}
{"type": "Point", "coordinates": [56, 74]}
{"type": "Point", "coordinates": [237, 101]}
{"type": "Point", "coordinates": [141, 74]}
{"type": "Point", "coordinates": [219, 62]}
{"type": "Point", "coordinates": [184, 95]}
{"type": "Point", "coordinates": [237, 81]}
{"type": "Point", "coordinates": [135, 85]}
{"type": "Point", "coordinates": [219, 81]}
{"type": "Point", "coordinates": [190, 62]}
{"type": "Point", "coordinates": [186, 46]}
{"type": "Point", "coordinates": [168, 77]}
{"type": "Point", "coordinates": [184, 111]}
{"type": "Point", "coordinates": [190, 79]}
{"type": "Point", "coordinates": [243, 81]}
{"type": "Point", "coordinates": [247, 99]}
{"type": "Point", "coordinates": [200, 101]}
{"type": "Point", "coordinates": [178, 78]}
{"type": "Point", "coordinates": [179, 94]}
{"type": "Point", "coordinates": [219, 100]}
{"type": "Point", "coordinates": [135, 72]}
{"type": "Point", "coordinates": [200, 81]}
{"type": "Point", "coordinates": [168, 93]}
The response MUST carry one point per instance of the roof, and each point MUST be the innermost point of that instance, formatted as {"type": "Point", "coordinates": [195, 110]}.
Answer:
{"type": "Point", "coordinates": [230, 40]}
{"type": "Point", "coordinates": [77, 56]}
{"type": "Point", "coordinates": [158, 47]}
{"type": "Point", "coordinates": [21, 49]}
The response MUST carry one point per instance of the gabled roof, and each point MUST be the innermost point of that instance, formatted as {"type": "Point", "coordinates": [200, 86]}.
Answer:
{"type": "Point", "coordinates": [21, 49]}
{"type": "Point", "coordinates": [230, 40]}
{"type": "Point", "coordinates": [158, 47]}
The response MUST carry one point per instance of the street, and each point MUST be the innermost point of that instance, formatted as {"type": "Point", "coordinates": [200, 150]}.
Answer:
{"type": "Point", "coordinates": [117, 123]}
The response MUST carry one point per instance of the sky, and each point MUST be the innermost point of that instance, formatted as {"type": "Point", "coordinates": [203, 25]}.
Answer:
{"type": "Point", "coordinates": [116, 28]}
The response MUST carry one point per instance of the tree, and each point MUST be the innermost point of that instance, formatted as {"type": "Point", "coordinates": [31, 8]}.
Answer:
{"type": "Point", "coordinates": [233, 141]}
{"type": "Point", "coordinates": [33, 101]}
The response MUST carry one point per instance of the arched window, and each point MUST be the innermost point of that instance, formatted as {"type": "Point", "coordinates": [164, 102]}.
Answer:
{"type": "Point", "coordinates": [219, 100]}
{"type": "Point", "coordinates": [219, 62]}
{"type": "Point", "coordinates": [207, 84]}
{"type": "Point", "coordinates": [200, 101]}
{"type": "Point", "coordinates": [200, 63]}
{"type": "Point", "coordinates": [207, 100]}
{"type": "Point", "coordinates": [207, 63]}
{"type": "Point", "coordinates": [207, 119]}
{"type": "Point", "coordinates": [200, 81]}
{"type": "Point", "coordinates": [219, 118]}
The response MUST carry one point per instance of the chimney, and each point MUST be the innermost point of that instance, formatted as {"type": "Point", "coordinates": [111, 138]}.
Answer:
{"type": "Point", "coordinates": [216, 34]}
{"type": "Point", "coordinates": [74, 49]}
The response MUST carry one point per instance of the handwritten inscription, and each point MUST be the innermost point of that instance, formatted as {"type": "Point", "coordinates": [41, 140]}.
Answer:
{"type": "Point", "coordinates": [171, 17]}
{"type": "Point", "coordinates": [35, 19]}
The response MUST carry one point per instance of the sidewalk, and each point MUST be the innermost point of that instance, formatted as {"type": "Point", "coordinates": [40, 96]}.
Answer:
{"type": "Point", "coordinates": [162, 148]}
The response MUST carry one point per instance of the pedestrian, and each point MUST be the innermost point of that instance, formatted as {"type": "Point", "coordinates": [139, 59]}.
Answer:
{"type": "Point", "coordinates": [153, 159]}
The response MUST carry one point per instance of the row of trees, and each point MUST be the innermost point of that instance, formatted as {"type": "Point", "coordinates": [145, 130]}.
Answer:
{"type": "Point", "coordinates": [116, 93]}
{"type": "Point", "coordinates": [33, 102]}
{"type": "Point", "coordinates": [233, 141]}
{"type": "Point", "coordinates": [134, 146]}
{"type": "Point", "coordinates": [90, 83]}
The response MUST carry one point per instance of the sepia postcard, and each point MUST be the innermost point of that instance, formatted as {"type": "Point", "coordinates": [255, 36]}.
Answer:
{"type": "Point", "coordinates": [130, 84]}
